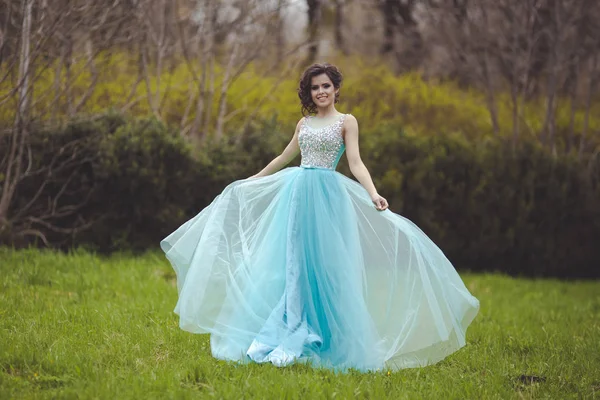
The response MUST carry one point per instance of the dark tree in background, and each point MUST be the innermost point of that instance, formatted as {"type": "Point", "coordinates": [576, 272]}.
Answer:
{"type": "Point", "coordinates": [340, 42]}
{"type": "Point", "coordinates": [314, 19]}
{"type": "Point", "coordinates": [528, 48]}
{"type": "Point", "coordinates": [64, 39]}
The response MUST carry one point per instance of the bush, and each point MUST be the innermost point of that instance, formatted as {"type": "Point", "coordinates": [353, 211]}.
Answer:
{"type": "Point", "coordinates": [371, 91]}
{"type": "Point", "coordinates": [488, 206]}
{"type": "Point", "coordinates": [50, 202]}
{"type": "Point", "coordinates": [133, 181]}
{"type": "Point", "coordinates": [153, 181]}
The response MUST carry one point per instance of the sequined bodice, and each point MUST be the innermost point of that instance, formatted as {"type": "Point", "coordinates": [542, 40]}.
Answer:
{"type": "Point", "coordinates": [321, 147]}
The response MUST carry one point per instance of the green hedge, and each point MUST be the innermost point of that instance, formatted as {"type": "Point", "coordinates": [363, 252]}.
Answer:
{"type": "Point", "coordinates": [140, 178]}
{"type": "Point", "coordinates": [492, 207]}
{"type": "Point", "coordinates": [489, 207]}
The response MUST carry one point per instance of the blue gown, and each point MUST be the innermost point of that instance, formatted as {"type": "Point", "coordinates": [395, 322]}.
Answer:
{"type": "Point", "coordinates": [299, 266]}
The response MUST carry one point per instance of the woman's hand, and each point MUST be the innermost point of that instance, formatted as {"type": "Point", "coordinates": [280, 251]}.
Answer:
{"type": "Point", "coordinates": [380, 202]}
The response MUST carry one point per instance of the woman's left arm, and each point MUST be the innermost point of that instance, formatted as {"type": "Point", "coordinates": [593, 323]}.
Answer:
{"type": "Point", "coordinates": [357, 167]}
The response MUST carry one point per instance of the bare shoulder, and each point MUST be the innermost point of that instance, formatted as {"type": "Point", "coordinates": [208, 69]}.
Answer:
{"type": "Point", "coordinates": [350, 122]}
{"type": "Point", "coordinates": [300, 122]}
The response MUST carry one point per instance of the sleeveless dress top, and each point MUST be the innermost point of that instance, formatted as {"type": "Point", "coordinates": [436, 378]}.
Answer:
{"type": "Point", "coordinates": [321, 147]}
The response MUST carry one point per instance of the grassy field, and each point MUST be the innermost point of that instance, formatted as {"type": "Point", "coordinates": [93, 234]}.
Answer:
{"type": "Point", "coordinates": [82, 326]}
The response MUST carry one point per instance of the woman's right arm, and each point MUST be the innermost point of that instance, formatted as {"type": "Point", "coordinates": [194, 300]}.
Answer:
{"type": "Point", "coordinates": [288, 154]}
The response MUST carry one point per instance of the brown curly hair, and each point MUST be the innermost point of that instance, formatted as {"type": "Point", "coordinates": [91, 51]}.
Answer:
{"type": "Point", "coordinates": [308, 106]}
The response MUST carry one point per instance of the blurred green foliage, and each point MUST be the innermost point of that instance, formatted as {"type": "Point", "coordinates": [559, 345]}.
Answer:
{"type": "Point", "coordinates": [492, 207]}
{"type": "Point", "coordinates": [141, 179]}
{"type": "Point", "coordinates": [371, 91]}
{"type": "Point", "coordinates": [488, 206]}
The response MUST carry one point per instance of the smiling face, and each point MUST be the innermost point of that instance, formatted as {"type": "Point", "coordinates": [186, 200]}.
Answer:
{"type": "Point", "coordinates": [319, 88]}
{"type": "Point", "coordinates": [322, 91]}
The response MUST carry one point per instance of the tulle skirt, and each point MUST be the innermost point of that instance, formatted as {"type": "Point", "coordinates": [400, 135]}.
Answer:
{"type": "Point", "coordinates": [299, 266]}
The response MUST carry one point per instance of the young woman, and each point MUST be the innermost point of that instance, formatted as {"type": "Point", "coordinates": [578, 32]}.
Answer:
{"type": "Point", "coordinates": [302, 264]}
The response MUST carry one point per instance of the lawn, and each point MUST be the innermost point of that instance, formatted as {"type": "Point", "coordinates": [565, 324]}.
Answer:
{"type": "Point", "coordinates": [84, 326]}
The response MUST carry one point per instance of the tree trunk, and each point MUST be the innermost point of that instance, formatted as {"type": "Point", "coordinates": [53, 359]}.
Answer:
{"type": "Point", "coordinates": [314, 19]}
{"type": "Point", "coordinates": [573, 98]}
{"type": "Point", "coordinates": [224, 86]}
{"type": "Point", "coordinates": [210, 95]}
{"type": "Point", "coordinates": [20, 129]}
{"type": "Point", "coordinates": [339, 22]}
{"type": "Point", "coordinates": [548, 128]}
{"type": "Point", "coordinates": [280, 32]}
{"type": "Point", "coordinates": [593, 74]}
{"type": "Point", "coordinates": [160, 52]}
{"type": "Point", "coordinates": [146, 73]}
{"type": "Point", "coordinates": [490, 94]}
{"type": "Point", "coordinates": [210, 66]}
{"type": "Point", "coordinates": [68, 60]}
{"type": "Point", "coordinates": [91, 55]}
{"type": "Point", "coordinates": [390, 24]}
{"type": "Point", "coordinates": [206, 54]}
{"type": "Point", "coordinates": [197, 123]}
{"type": "Point", "coordinates": [4, 30]}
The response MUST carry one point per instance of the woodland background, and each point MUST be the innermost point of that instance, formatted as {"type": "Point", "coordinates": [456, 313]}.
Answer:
{"type": "Point", "coordinates": [480, 119]}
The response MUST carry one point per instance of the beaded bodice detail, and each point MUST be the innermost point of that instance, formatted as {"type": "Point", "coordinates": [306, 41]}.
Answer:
{"type": "Point", "coordinates": [321, 147]}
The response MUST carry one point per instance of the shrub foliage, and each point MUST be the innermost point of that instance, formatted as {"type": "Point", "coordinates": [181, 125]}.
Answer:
{"type": "Point", "coordinates": [488, 206]}
{"type": "Point", "coordinates": [372, 91]}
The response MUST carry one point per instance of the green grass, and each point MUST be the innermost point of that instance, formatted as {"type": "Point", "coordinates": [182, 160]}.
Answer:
{"type": "Point", "coordinates": [83, 326]}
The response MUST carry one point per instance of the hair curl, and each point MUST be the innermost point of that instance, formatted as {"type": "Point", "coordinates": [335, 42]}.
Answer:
{"type": "Point", "coordinates": [308, 106]}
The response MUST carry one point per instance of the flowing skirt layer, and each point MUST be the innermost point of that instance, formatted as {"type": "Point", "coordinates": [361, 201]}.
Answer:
{"type": "Point", "coordinates": [299, 266]}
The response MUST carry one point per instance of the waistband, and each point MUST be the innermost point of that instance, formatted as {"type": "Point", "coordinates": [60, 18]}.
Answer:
{"type": "Point", "coordinates": [316, 167]}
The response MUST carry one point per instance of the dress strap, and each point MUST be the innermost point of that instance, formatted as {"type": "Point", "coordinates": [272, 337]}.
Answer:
{"type": "Point", "coordinates": [305, 122]}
